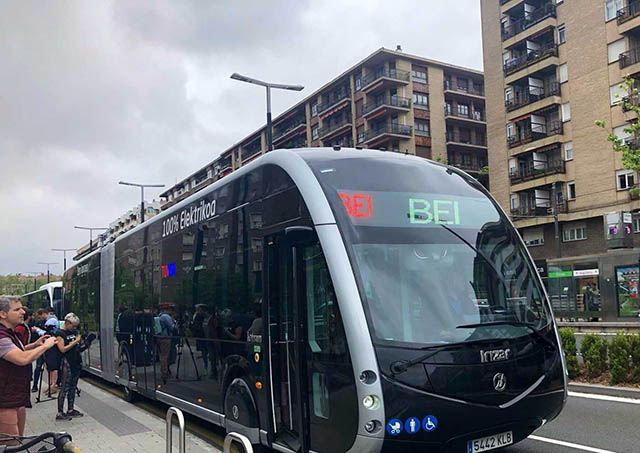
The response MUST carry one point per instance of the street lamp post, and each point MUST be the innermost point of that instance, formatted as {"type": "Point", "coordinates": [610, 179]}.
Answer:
{"type": "Point", "coordinates": [142, 186]}
{"type": "Point", "coordinates": [91, 230]}
{"type": "Point", "coordinates": [64, 254]}
{"type": "Point", "coordinates": [35, 279]}
{"type": "Point", "coordinates": [48, 265]}
{"type": "Point", "coordinates": [268, 86]}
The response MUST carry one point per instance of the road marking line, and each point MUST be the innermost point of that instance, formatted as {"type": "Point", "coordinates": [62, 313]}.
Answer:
{"type": "Point", "coordinates": [617, 399]}
{"type": "Point", "coordinates": [569, 444]}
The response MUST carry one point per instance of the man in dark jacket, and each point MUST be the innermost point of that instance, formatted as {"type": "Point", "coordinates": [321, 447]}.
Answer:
{"type": "Point", "coordinates": [15, 367]}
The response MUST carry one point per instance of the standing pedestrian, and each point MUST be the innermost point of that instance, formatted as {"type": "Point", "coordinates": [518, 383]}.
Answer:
{"type": "Point", "coordinates": [70, 366]}
{"type": "Point", "coordinates": [15, 369]}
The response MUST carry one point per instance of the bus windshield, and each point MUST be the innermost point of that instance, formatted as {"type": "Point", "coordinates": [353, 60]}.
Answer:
{"type": "Point", "coordinates": [435, 260]}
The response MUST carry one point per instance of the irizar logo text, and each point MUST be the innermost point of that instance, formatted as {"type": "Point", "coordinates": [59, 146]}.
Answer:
{"type": "Point", "coordinates": [494, 355]}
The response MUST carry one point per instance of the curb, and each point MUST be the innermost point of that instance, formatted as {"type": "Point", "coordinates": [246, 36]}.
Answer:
{"type": "Point", "coordinates": [622, 392]}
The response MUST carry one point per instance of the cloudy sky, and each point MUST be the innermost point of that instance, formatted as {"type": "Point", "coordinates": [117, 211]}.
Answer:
{"type": "Point", "coordinates": [96, 92]}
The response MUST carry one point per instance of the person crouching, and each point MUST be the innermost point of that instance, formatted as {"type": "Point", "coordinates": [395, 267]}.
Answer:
{"type": "Point", "coordinates": [69, 345]}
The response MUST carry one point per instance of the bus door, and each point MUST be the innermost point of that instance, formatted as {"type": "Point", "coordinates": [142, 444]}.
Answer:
{"type": "Point", "coordinates": [286, 320]}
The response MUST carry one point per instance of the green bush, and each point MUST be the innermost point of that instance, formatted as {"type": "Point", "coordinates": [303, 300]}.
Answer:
{"type": "Point", "coordinates": [619, 351]}
{"type": "Point", "coordinates": [568, 337]}
{"type": "Point", "coordinates": [594, 352]}
{"type": "Point", "coordinates": [634, 352]}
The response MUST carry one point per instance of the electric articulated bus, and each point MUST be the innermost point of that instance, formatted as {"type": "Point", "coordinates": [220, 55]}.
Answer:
{"type": "Point", "coordinates": [48, 295]}
{"type": "Point", "coordinates": [331, 300]}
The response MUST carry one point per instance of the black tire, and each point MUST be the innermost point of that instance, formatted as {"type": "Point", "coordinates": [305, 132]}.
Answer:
{"type": "Point", "coordinates": [124, 368]}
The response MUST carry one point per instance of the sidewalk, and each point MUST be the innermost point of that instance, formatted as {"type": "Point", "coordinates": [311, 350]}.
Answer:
{"type": "Point", "coordinates": [109, 425]}
{"type": "Point", "coordinates": [621, 392]}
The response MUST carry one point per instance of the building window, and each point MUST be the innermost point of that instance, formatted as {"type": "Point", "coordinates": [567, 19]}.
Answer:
{"type": "Point", "coordinates": [566, 112]}
{"type": "Point", "coordinates": [533, 236]}
{"type": "Point", "coordinates": [611, 8]}
{"type": "Point", "coordinates": [463, 110]}
{"type": "Point", "coordinates": [419, 75]}
{"type": "Point", "coordinates": [571, 190]}
{"type": "Point", "coordinates": [615, 49]}
{"type": "Point", "coordinates": [636, 223]}
{"type": "Point", "coordinates": [625, 179]}
{"type": "Point", "coordinates": [420, 99]}
{"type": "Point", "coordinates": [314, 109]}
{"type": "Point", "coordinates": [358, 81]}
{"type": "Point", "coordinates": [422, 128]}
{"type": "Point", "coordinates": [568, 151]}
{"type": "Point", "coordinates": [616, 93]}
{"type": "Point", "coordinates": [562, 34]}
{"type": "Point", "coordinates": [575, 231]}
{"type": "Point", "coordinates": [563, 73]}
{"type": "Point", "coordinates": [314, 133]}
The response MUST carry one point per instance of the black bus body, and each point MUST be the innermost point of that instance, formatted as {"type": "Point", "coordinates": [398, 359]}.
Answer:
{"type": "Point", "coordinates": [330, 300]}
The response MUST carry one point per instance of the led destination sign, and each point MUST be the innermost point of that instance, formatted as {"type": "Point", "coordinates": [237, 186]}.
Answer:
{"type": "Point", "coordinates": [402, 209]}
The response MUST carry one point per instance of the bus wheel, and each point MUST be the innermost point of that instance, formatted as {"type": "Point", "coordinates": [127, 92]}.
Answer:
{"type": "Point", "coordinates": [124, 373]}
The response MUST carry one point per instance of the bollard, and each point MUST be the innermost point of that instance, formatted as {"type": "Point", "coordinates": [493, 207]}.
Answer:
{"type": "Point", "coordinates": [242, 440]}
{"type": "Point", "coordinates": [169, 427]}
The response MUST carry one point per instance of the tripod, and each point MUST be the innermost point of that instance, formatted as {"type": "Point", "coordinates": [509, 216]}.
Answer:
{"type": "Point", "coordinates": [180, 347]}
{"type": "Point", "coordinates": [39, 397]}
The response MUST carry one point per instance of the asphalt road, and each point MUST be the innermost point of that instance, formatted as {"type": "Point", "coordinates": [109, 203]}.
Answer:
{"type": "Point", "coordinates": [594, 425]}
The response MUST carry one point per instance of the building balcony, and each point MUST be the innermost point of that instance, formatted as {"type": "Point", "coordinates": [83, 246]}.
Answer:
{"type": "Point", "coordinates": [469, 167]}
{"type": "Point", "coordinates": [629, 58]}
{"type": "Point", "coordinates": [538, 211]}
{"type": "Point", "coordinates": [291, 130]}
{"type": "Point", "coordinates": [627, 14]}
{"type": "Point", "coordinates": [394, 76]}
{"type": "Point", "coordinates": [465, 141]}
{"type": "Point", "coordinates": [529, 135]}
{"type": "Point", "coordinates": [475, 116]}
{"type": "Point", "coordinates": [519, 174]}
{"type": "Point", "coordinates": [530, 58]}
{"type": "Point", "coordinates": [535, 17]}
{"type": "Point", "coordinates": [387, 103]}
{"type": "Point", "coordinates": [333, 102]}
{"type": "Point", "coordinates": [335, 128]}
{"type": "Point", "coordinates": [250, 152]}
{"type": "Point", "coordinates": [531, 95]}
{"type": "Point", "coordinates": [464, 90]}
{"type": "Point", "coordinates": [397, 130]}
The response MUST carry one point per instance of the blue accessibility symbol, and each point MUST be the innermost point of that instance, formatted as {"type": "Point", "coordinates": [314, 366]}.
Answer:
{"type": "Point", "coordinates": [429, 423]}
{"type": "Point", "coordinates": [412, 425]}
{"type": "Point", "coordinates": [394, 427]}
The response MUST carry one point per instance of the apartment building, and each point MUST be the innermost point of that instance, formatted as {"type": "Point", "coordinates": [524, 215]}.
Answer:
{"type": "Point", "coordinates": [390, 100]}
{"type": "Point", "coordinates": [552, 68]}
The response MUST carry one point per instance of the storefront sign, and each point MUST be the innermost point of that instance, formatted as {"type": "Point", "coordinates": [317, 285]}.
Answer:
{"type": "Point", "coordinates": [561, 274]}
{"type": "Point", "coordinates": [586, 272]}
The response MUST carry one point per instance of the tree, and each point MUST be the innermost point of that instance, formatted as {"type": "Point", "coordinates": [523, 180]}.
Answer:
{"type": "Point", "coordinates": [629, 147]}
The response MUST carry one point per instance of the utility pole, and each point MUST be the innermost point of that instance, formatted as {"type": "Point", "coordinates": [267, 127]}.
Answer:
{"type": "Point", "coordinates": [48, 273]}
{"type": "Point", "coordinates": [64, 252]}
{"type": "Point", "coordinates": [142, 186]}
{"type": "Point", "coordinates": [35, 279]}
{"type": "Point", "coordinates": [91, 230]}
{"type": "Point", "coordinates": [554, 212]}
{"type": "Point", "coordinates": [268, 86]}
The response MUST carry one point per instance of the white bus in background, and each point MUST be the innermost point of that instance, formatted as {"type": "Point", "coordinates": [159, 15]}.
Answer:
{"type": "Point", "coordinates": [49, 295]}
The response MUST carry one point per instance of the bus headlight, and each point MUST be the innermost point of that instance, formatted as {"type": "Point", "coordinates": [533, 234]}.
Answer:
{"type": "Point", "coordinates": [371, 402]}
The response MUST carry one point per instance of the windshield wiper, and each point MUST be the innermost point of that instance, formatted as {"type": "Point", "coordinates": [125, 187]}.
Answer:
{"type": "Point", "coordinates": [527, 325]}
{"type": "Point", "coordinates": [400, 366]}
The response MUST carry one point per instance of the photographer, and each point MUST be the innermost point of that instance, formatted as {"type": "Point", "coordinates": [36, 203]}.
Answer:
{"type": "Point", "coordinates": [69, 345]}
{"type": "Point", "coordinates": [15, 369]}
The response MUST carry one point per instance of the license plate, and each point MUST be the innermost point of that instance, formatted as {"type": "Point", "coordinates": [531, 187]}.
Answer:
{"type": "Point", "coordinates": [490, 442]}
